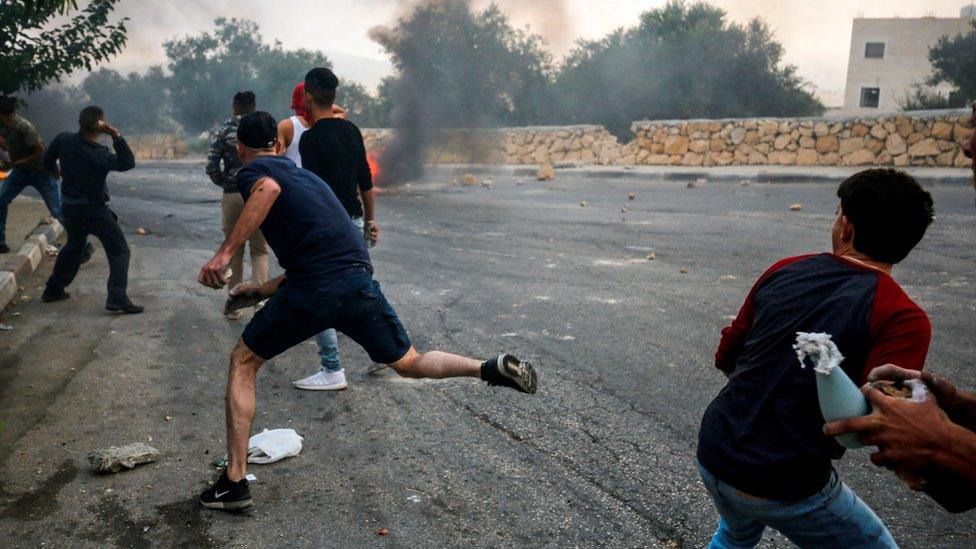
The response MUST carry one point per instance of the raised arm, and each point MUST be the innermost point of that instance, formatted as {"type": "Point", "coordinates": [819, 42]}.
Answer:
{"type": "Point", "coordinates": [264, 192]}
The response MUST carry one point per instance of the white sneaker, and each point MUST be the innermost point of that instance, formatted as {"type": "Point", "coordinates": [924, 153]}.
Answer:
{"type": "Point", "coordinates": [323, 381]}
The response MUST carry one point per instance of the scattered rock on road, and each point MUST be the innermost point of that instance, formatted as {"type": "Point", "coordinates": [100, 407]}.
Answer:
{"type": "Point", "coordinates": [470, 180]}
{"type": "Point", "coordinates": [546, 172]}
{"type": "Point", "coordinates": [796, 207]}
{"type": "Point", "coordinates": [116, 458]}
{"type": "Point", "coordinates": [141, 231]}
{"type": "Point", "coordinates": [631, 196]}
{"type": "Point", "coordinates": [582, 203]}
{"type": "Point", "coordinates": [651, 256]}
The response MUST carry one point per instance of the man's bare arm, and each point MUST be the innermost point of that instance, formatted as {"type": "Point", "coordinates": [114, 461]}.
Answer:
{"type": "Point", "coordinates": [263, 195]}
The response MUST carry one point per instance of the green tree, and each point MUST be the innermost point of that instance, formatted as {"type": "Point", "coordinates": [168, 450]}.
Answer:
{"type": "Point", "coordinates": [207, 69]}
{"type": "Point", "coordinates": [37, 49]}
{"type": "Point", "coordinates": [953, 61]}
{"type": "Point", "coordinates": [367, 111]}
{"type": "Point", "coordinates": [681, 61]}
{"type": "Point", "coordinates": [135, 103]}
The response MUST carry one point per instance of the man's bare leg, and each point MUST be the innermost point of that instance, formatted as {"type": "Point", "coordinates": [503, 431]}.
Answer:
{"type": "Point", "coordinates": [504, 370]}
{"type": "Point", "coordinates": [436, 365]}
{"type": "Point", "coordinates": [244, 365]}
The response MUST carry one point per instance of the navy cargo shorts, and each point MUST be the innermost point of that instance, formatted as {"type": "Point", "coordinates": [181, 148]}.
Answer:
{"type": "Point", "coordinates": [353, 305]}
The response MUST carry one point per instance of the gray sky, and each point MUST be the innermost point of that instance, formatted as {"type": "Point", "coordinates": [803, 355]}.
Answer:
{"type": "Point", "coordinates": [815, 33]}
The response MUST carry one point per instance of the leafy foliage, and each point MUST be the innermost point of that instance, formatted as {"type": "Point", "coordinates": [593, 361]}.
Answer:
{"type": "Point", "coordinates": [920, 98]}
{"type": "Point", "coordinates": [37, 50]}
{"type": "Point", "coordinates": [681, 61]}
{"type": "Point", "coordinates": [209, 68]}
{"type": "Point", "coordinates": [953, 61]}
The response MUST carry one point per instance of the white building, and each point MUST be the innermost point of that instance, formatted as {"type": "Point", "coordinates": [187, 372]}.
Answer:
{"type": "Point", "coordinates": [889, 56]}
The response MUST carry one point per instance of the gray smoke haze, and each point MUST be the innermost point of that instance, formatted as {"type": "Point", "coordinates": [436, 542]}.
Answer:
{"type": "Point", "coordinates": [415, 126]}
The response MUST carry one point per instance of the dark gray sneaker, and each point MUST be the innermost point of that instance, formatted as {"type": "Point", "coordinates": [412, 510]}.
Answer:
{"type": "Point", "coordinates": [125, 306]}
{"type": "Point", "coordinates": [226, 495]}
{"type": "Point", "coordinates": [508, 371]}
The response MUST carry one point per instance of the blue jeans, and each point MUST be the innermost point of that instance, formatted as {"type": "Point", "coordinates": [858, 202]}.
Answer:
{"type": "Point", "coordinates": [833, 517]}
{"type": "Point", "coordinates": [18, 180]}
{"type": "Point", "coordinates": [328, 343]}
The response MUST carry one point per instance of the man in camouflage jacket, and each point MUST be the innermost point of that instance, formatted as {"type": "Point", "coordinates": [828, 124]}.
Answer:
{"type": "Point", "coordinates": [222, 166]}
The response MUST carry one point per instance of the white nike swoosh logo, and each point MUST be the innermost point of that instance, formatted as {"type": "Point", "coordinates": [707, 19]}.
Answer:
{"type": "Point", "coordinates": [217, 495]}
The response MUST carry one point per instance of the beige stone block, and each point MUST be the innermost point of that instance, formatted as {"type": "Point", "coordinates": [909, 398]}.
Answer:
{"type": "Point", "coordinates": [714, 127]}
{"type": "Point", "coordinates": [628, 159]}
{"type": "Point", "coordinates": [902, 160]}
{"type": "Point", "coordinates": [821, 129]}
{"type": "Point", "coordinates": [807, 157]}
{"type": "Point", "coordinates": [675, 159]}
{"type": "Point", "coordinates": [837, 128]}
{"type": "Point", "coordinates": [895, 144]}
{"type": "Point", "coordinates": [904, 128]}
{"type": "Point", "coordinates": [676, 145]}
{"type": "Point", "coordinates": [883, 159]}
{"type": "Point", "coordinates": [716, 145]}
{"type": "Point", "coordinates": [890, 127]}
{"type": "Point", "coordinates": [660, 135]}
{"type": "Point", "coordinates": [915, 138]}
{"type": "Point", "coordinates": [782, 158]}
{"type": "Point", "coordinates": [752, 137]}
{"type": "Point", "coordinates": [764, 148]}
{"type": "Point", "coordinates": [692, 159]}
{"type": "Point", "coordinates": [642, 156]}
{"type": "Point", "coordinates": [962, 132]}
{"type": "Point", "coordinates": [945, 159]}
{"type": "Point", "coordinates": [740, 156]}
{"type": "Point", "coordinates": [859, 130]}
{"type": "Point", "coordinates": [830, 159]}
{"type": "Point", "coordinates": [698, 146]}
{"type": "Point", "coordinates": [768, 128]}
{"type": "Point", "coordinates": [923, 148]}
{"type": "Point", "coordinates": [750, 124]}
{"type": "Point", "coordinates": [723, 158]}
{"type": "Point", "coordinates": [737, 135]}
{"type": "Point", "coordinates": [807, 142]}
{"type": "Point", "coordinates": [879, 132]}
{"type": "Point", "coordinates": [781, 142]}
{"type": "Point", "coordinates": [941, 130]}
{"type": "Point", "coordinates": [806, 131]}
{"type": "Point", "coordinates": [756, 158]}
{"type": "Point", "coordinates": [962, 161]}
{"type": "Point", "coordinates": [657, 148]}
{"type": "Point", "coordinates": [946, 146]}
{"type": "Point", "coordinates": [861, 157]}
{"type": "Point", "coordinates": [828, 143]}
{"type": "Point", "coordinates": [785, 127]}
{"type": "Point", "coordinates": [874, 145]}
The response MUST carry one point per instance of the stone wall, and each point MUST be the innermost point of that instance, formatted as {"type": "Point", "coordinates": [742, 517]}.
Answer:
{"type": "Point", "coordinates": [932, 138]}
{"type": "Point", "coordinates": [157, 146]}
{"type": "Point", "coordinates": [528, 145]}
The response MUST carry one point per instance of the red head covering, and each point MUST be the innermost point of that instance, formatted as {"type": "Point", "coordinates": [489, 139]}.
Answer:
{"type": "Point", "coordinates": [298, 99]}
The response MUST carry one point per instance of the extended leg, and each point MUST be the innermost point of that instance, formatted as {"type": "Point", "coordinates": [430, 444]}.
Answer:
{"type": "Point", "coordinates": [69, 259]}
{"type": "Point", "coordinates": [106, 228]}
{"type": "Point", "coordinates": [244, 365]}
{"type": "Point", "coordinates": [505, 370]}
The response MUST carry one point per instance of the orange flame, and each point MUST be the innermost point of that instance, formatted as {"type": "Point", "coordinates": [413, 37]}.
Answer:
{"type": "Point", "coordinates": [372, 158]}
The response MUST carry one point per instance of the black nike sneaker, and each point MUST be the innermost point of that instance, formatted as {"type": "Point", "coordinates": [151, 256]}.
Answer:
{"type": "Point", "coordinates": [508, 371]}
{"type": "Point", "coordinates": [227, 495]}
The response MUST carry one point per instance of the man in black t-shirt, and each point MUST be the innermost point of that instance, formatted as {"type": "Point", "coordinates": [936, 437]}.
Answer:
{"type": "Point", "coordinates": [328, 283]}
{"type": "Point", "coordinates": [333, 149]}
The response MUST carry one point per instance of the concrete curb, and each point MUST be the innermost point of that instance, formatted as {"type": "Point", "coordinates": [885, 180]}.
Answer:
{"type": "Point", "coordinates": [16, 269]}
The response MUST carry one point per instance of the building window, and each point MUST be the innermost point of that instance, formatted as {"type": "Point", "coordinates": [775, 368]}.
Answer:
{"type": "Point", "coordinates": [870, 97]}
{"type": "Point", "coordinates": [874, 50]}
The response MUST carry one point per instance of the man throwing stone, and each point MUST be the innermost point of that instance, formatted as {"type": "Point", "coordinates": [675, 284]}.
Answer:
{"type": "Point", "coordinates": [84, 165]}
{"type": "Point", "coordinates": [327, 283]}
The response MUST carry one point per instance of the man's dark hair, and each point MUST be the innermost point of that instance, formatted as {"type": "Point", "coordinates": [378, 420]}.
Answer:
{"type": "Point", "coordinates": [890, 212]}
{"type": "Point", "coordinates": [8, 104]}
{"type": "Point", "coordinates": [89, 117]}
{"type": "Point", "coordinates": [321, 84]}
{"type": "Point", "coordinates": [245, 100]}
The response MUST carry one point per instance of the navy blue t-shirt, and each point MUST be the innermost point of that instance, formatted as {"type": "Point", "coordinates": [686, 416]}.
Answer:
{"type": "Point", "coordinates": [310, 232]}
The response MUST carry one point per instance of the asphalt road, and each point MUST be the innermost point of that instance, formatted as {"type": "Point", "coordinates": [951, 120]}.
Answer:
{"type": "Point", "coordinates": [602, 455]}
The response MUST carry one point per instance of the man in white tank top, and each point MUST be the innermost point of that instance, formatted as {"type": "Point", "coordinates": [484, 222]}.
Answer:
{"type": "Point", "coordinates": [330, 376]}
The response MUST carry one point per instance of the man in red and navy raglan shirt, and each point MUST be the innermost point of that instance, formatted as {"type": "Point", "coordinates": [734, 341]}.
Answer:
{"type": "Point", "coordinates": [761, 449]}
